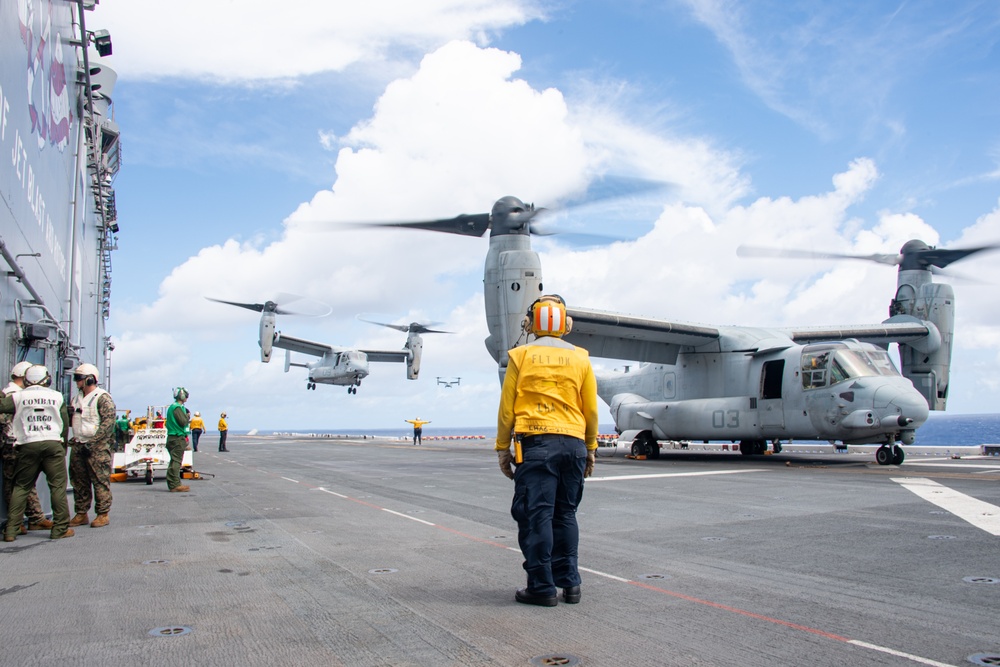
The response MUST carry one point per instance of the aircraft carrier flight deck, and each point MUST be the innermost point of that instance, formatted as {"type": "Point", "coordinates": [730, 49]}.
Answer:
{"type": "Point", "coordinates": [304, 551]}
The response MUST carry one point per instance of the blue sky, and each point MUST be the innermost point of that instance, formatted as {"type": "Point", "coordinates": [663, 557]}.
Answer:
{"type": "Point", "coordinates": [850, 126]}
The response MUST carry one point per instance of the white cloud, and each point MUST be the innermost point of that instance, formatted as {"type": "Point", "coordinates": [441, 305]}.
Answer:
{"type": "Point", "coordinates": [254, 40]}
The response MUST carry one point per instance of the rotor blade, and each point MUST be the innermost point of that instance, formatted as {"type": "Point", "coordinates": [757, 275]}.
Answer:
{"type": "Point", "coordinates": [756, 251]}
{"type": "Point", "coordinates": [941, 257]}
{"type": "Point", "coordinates": [259, 307]}
{"type": "Point", "coordinates": [273, 307]}
{"type": "Point", "coordinates": [412, 327]}
{"type": "Point", "coordinates": [610, 188]}
{"type": "Point", "coordinates": [573, 237]}
{"type": "Point", "coordinates": [956, 276]}
{"type": "Point", "coordinates": [417, 327]}
{"type": "Point", "coordinates": [475, 224]}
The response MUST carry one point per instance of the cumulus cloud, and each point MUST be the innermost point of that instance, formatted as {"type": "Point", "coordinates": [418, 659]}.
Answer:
{"type": "Point", "coordinates": [250, 41]}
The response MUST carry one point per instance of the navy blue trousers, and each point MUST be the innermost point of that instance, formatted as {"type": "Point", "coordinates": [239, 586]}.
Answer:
{"type": "Point", "coordinates": [548, 487]}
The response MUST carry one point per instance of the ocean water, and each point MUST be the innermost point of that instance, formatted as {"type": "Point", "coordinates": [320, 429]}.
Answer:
{"type": "Point", "coordinates": [940, 430]}
{"type": "Point", "coordinates": [959, 430]}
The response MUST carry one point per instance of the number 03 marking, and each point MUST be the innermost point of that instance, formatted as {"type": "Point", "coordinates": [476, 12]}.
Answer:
{"type": "Point", "coordinates": [725, 419]}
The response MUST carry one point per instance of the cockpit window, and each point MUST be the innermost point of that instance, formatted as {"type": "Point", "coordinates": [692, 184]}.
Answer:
{"type": "Point", "coordinates": [880, 360]}
{"type": "Point", "coordinates": [831, 363]}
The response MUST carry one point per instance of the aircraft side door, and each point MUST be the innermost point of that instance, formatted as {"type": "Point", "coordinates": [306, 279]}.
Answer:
{"type": "Point", "coordinates": [770, 409]}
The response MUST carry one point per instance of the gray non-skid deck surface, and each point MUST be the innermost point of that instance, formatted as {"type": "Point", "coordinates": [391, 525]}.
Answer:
{"type": "Point", "coordinates": [373, 553]}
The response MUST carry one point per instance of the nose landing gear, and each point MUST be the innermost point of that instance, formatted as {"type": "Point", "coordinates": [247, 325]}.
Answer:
{"type": "Point", "coordinates": [889, 455]}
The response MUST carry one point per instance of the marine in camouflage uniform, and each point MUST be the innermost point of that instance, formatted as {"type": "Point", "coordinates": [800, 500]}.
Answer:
{"type": "Point", "coordinates": [33, 510]}
{"type": "Point", "coordinates": [90, 460]}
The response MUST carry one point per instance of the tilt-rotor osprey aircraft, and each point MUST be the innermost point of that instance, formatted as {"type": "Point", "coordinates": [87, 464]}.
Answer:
{"type": "Point", "coordinates": [742, 384]}
{"type": "Point", "coordinates": [340, 366]}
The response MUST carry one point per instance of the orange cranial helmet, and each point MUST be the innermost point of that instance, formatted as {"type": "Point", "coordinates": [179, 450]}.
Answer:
{"type": "Point", "coordinates": [547, 317]}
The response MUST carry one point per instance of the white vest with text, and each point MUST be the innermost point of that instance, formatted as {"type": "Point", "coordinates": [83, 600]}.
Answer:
{"type": "Point", "coordinates": [36, 417]}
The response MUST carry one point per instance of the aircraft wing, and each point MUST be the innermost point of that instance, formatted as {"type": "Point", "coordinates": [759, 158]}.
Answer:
{"type": "Point", "coordinates": [887, 332]}
{"type": "Point", "coordinates": [617, 336]}
{"type": "Point", "coordinates": [388, 355]}
{"type": "Point", "coordinates": [304, 346]}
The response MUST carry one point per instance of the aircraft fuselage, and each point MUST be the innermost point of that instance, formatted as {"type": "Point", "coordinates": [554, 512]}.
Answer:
{"type": "Point", "coordinates": [339, 368]}
{"type": "Point", "coordinates": [840, 391]}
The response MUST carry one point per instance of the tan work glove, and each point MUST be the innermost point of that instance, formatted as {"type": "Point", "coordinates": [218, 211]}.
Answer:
{"type": "Point", "coordinates": [588, 470]}
{"type": "Point", "coordinates": [506, 460]}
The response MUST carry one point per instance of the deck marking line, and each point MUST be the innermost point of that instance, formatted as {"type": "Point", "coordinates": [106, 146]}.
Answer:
{"type": "Point", "coordinates": [291, 480]}
{"type": "Point", "coordinates": [908, 656]}
{"type": "Point", "coordinates": [591, 480]}
{"type": "Point", "coordinates": [362, 502]}
{"type": "Point", "coordinates": [407, 516]}
{"type": "Point", "coordinates": [332, 493]}
{"type": "Point", "coordinates": [599, 573]}
{"type": "Point", "coordinates": [980, 514]}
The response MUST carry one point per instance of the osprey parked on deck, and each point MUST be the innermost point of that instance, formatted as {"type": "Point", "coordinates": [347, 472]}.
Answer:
{"type": "Point", "coordinates": [742, 384]}
{"type": "Point", "coordinates": [341, 366]}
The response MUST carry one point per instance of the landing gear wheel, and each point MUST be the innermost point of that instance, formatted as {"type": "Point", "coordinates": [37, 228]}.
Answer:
{"type": "Point", "coordinates": [897, 455]}
{"type": "Point", "coordinates": [638, 448]}
{"type": "Point", "coordinates": [652, 447]}
{"type": "Point", "coordinates": [654, 450]}
{"type": "Point", "coordinates": [776, 446]}
{"type": "Point", "coordinates": [748, 447]}
{"type": "Point", "coordinates": [883, 455]}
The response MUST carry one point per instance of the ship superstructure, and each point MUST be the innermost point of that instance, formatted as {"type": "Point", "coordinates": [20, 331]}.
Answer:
{"type": "Point", "coordinates": [60, 151]}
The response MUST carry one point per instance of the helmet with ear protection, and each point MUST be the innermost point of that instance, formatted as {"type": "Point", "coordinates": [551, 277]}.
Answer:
{"type": "Point", "coordinates": [181, 394]}
{"type": "Point", "coordinates": [87, 372]}
{"type": "Point", "coordinates": [547, 316]}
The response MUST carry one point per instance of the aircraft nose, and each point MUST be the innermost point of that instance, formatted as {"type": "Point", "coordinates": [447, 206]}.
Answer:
{"type": "Point", "coordinates": [905, 401]}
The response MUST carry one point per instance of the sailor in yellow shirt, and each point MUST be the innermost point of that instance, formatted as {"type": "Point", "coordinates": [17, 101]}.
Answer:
{"type": "Point", "coordinates": [548, 405]}
{"type": "Point", "coordinates": [197, 427]}
{"type": "Point", "coordinates": [223, 432]}
{"type": "Point", "coordinates": [418, 428]}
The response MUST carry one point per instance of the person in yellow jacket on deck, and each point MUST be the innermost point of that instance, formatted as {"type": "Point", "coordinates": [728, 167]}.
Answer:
{"type": "Point", "coordinates": [548, 407]}
{"type": "Point", "coordinates": [418, 429]}
{"type": "Point", "coordinates": [197, 426]}
{"type": "Point", "coordinates": [223, 432]}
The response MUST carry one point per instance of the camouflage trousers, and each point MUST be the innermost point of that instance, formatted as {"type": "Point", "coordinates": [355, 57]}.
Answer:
{"type": "Point", "coordinates": [33, 508]}
{"type": "Point", "coordinates": [90, 475]}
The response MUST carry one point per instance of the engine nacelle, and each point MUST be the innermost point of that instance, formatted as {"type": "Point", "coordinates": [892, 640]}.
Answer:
{"type": "Point", "coordinates": [266, 340]}
{"type": "Point", "coordinates": [513, 280]}
{"type": "Point", "coordinates": [927, 367]}
{"type": "Point", "coordinates": [415, 344]}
